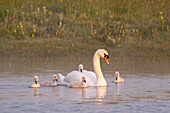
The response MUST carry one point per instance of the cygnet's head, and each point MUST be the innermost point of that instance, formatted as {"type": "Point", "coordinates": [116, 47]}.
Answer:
{"type": "Point", "coordinates": [84, 79]}
{"type": "Point", "coordinates": [36, 79]}
{"type": "Point", "coordinates": [55, 78]}
{"type": "Point", "coordinates": [117, 74]}
{"type": "Point", "coordinates": [81, 67]}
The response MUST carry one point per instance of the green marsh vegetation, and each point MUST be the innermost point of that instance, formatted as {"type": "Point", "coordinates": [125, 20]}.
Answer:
{"type": "Point", "coordinates": [130, 28]}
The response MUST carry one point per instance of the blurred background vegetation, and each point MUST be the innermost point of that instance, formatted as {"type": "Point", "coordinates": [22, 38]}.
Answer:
{"type": "Point", "coordinates": [51, 27]}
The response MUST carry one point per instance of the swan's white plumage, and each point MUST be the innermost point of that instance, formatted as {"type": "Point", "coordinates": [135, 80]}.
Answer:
{"type": "Point", "coordinates": [100, 53]}
{"type": "Point", "coordinates": [117, 78]}
{"type": "Point", "coordinates": [35, 84]}
{"type": "Point", "coordinates": [93, 79]}
{"type": "Point", "coordinates": [75, 76]}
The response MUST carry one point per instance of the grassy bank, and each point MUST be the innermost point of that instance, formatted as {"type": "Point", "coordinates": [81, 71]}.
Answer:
{"type": "Point", "coordinates": [47, 28]}
{"type": "Point", "coordinates": [58, 48]}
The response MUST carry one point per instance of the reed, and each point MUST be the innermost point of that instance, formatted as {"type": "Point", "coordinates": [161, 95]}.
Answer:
{"type": "Point", "coordinates": [134, 23]}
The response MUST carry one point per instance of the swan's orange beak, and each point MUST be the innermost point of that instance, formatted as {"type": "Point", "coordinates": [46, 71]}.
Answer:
{"type": "Point", "coordinates": [106, 58]}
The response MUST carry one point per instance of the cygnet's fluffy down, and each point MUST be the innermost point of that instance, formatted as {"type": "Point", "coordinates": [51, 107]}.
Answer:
{"type": "Point", "coordinates": [49, 84]}
{"type": "Point", "coordinates": [117, 78]}
{"type": "Point", "coordinates": [82, 84]}
{"type": "Point", "coordinates": [81, 67]}
{"type": "Point", "coordinates": [35, 84]}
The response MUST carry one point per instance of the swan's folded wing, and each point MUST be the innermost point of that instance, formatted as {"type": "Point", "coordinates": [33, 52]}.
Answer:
{"type": "Point", "coordinates": [61, 78]}
{"type": "Point", "coordinates": [91, 78]}
{"type": "Point", "coordinates": [73, 76]}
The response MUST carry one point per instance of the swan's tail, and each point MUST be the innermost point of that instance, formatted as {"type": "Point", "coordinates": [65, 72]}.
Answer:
{"type": "Point", "coordinates": [61, 78]}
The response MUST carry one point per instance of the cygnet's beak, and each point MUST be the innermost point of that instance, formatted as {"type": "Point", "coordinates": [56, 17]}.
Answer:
{"type": "Point", "coordinates": [36, 81]}
{"type": "Point", "coordinates": [84, 80]}
{"type": "Point", "coordinates": [56, 80]}
{"type": "Point", "coordinates": [116, 78]}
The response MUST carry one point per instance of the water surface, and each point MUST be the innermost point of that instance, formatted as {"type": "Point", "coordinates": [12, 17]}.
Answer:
{"type": "Point", "coordinates": [142, 92]}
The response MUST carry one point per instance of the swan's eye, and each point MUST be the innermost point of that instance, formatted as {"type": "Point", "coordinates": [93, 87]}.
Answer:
{"type": "Point", "coordinates": [106, 56]}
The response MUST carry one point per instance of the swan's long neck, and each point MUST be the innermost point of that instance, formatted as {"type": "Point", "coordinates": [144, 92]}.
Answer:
{"type": "Point", "coordinates": [54, 82]}
{"type": "Point", "coordinates": [97, 69]}
{"type": "Point", "coordinates": [84, 84]}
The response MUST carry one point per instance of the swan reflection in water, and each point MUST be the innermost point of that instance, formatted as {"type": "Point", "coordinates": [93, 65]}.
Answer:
{"type": "Point", "coordinates": [117, 90]}
{"type": "Point", "coordinates": [35, 92]}
{"type": "Point", "coordinates": [54, 91]}
{"type": "Point", "coordinates": [94, 94]}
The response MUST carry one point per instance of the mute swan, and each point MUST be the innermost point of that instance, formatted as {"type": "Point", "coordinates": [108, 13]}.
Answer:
{"type": "Point", "coordinates": [35, 84]}
{"type": "Point", "coordinates": [91, 81]}
{"type": "Point", "coordinates": [49, 84]}
{"type": "Point", "coordinates": [82, 84]}
{"type": "Point", "coordinates": [118, 79]}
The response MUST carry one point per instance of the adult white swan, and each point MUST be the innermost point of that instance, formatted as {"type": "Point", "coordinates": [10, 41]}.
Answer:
{"type": "Point", "coordinates": [91, 81]}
